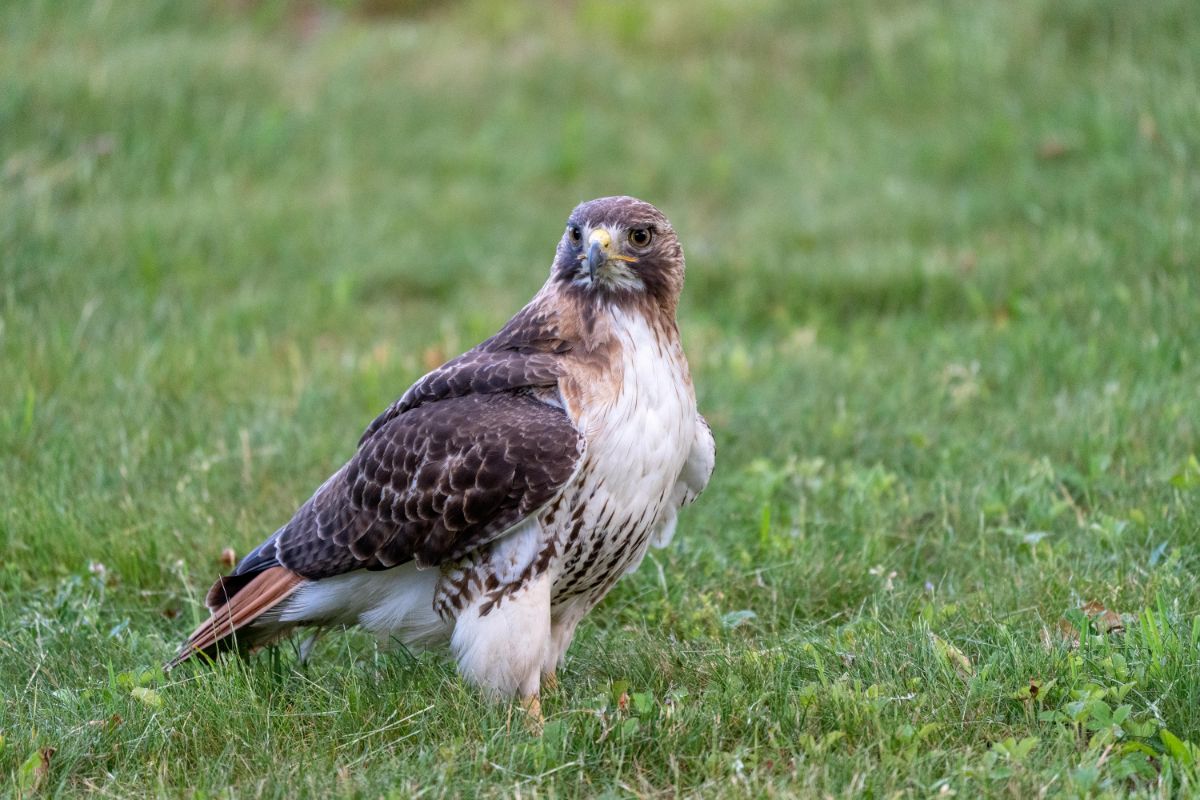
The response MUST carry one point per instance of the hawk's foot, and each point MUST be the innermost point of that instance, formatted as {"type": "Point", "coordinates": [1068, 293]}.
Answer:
{"type": "Point", "coordinates": [534, 721]}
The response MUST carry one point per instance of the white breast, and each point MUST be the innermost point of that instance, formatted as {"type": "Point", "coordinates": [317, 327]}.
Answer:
{"type": "Point", "coordinates": [637, 443]}
{"type": "Point", "coordinates": [644, 434]}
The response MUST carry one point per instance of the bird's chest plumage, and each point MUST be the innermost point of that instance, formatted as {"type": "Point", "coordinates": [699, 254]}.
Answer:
{"type": "Point", "coordinates": [638, 435]}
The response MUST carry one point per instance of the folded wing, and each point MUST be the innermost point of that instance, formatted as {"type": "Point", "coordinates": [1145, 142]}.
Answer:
{"type": "Point", "coordinates": [429, 484]}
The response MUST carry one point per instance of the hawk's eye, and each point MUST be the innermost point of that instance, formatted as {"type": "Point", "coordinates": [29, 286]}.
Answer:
{"type": "Point", "coordinates": [575, 233]}
{"type": "Point", "coordinates": [640, 237]}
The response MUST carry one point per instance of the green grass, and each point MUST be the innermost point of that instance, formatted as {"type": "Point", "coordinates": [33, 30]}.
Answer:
{"type": "Point", "coordinates": [943, 312]}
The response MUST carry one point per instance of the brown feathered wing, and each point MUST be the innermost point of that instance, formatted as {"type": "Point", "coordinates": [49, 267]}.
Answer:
{"type": "Point", "coordinates": [466, 454]}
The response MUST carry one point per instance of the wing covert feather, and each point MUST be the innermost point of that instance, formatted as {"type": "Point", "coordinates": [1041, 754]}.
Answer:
{"type": "Point", "coordinates": [525, 353]}
{"type": "Point", "coordinates": [433, 483]}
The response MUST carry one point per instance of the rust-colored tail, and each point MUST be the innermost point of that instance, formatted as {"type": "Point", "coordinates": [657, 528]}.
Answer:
{"type": "Point", "coordinates": [235, 604]}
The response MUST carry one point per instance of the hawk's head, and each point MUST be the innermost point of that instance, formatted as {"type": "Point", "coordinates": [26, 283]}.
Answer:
{"type": "Point", "coordinates": [620, 248]}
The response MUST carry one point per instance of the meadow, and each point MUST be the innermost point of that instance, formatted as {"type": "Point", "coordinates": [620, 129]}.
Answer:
{"type": "Point", "coordinates": [942, 311]}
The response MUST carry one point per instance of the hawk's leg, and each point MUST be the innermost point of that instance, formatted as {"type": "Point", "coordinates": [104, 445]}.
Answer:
{"type": "Point", "coordinates": [562, 631]}
{"type": "Point", "coordinates": [534, 720]}
{"type": "Point", "coordinates": [500, 644]}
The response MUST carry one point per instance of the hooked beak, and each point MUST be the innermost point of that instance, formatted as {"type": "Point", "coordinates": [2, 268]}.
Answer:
{"type": "Point", "coordinates": [599, 245]}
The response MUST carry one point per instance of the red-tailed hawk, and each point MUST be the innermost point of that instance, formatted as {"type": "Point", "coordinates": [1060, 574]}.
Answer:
{"type": "Point", "coordinates": [496, 502]}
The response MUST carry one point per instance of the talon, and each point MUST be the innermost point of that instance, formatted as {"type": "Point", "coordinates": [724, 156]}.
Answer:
{"type": "Point", "coordinates": [534, 720]}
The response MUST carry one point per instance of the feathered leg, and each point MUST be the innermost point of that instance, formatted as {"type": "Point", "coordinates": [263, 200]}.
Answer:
{"type": "Point", "coordinates": [562, 632]}
{"type": "Point", "coordinates": [501, 645]}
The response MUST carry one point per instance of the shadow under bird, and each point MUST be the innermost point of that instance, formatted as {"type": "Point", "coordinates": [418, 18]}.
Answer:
{"type": "Point", "coordinates": [504, 494]}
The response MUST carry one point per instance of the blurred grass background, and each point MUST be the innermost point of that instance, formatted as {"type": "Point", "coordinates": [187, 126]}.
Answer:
{"type": "Point", "coordinates": [941, 308]}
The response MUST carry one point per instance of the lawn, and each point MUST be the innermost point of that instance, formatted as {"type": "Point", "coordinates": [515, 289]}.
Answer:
{"type": "Point", "coordinates": [942, 310]}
